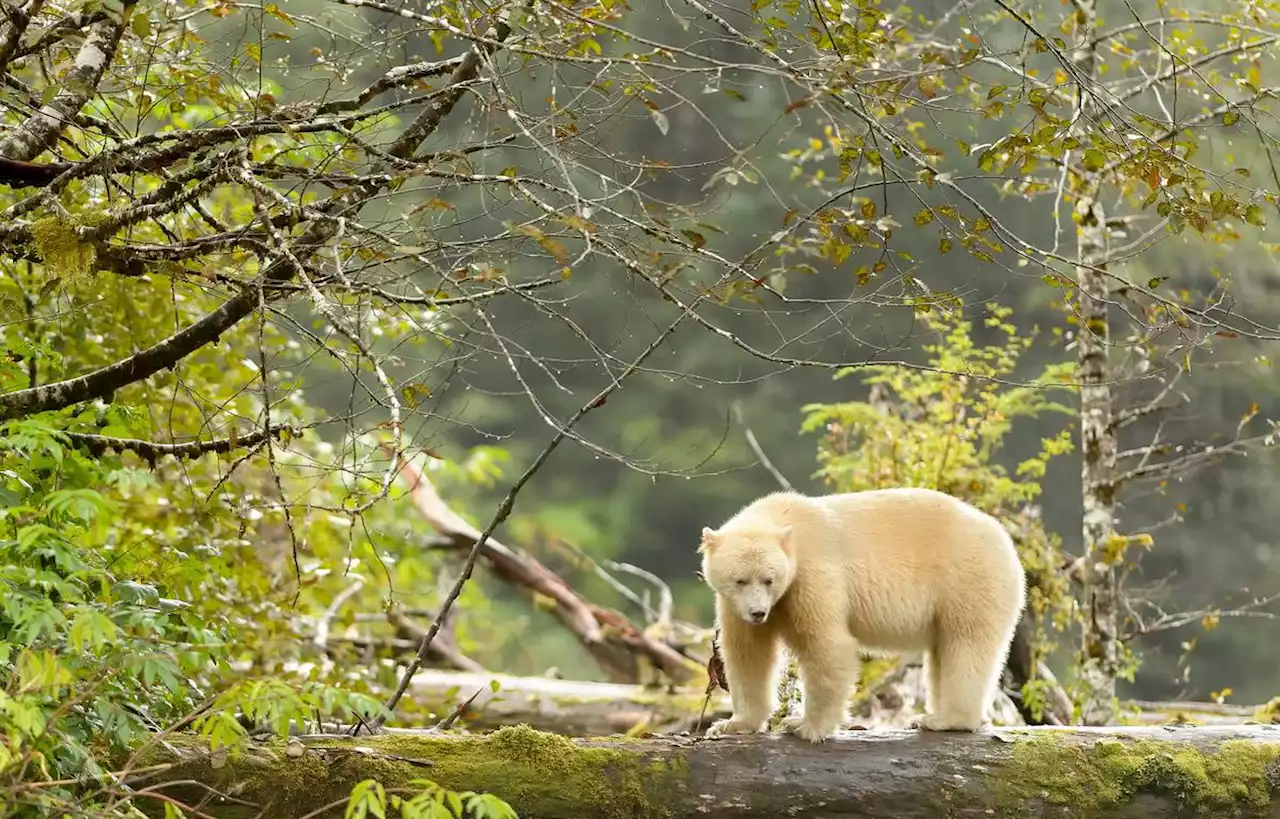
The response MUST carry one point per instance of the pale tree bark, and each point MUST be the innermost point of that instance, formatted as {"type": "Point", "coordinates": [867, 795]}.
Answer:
{"type": "Point", "coordinates": [1097, 572]}
{"type": "Point", "coordinates": [19, 18]}
{"type": "Point", "coordinates": [79, 85]}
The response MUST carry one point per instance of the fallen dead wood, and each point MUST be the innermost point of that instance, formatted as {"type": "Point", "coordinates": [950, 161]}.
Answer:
{"type": "Point", "coordinates": [1220, 709]}
{"type": "Point", "coordinates": [444, 646]}
{"type": "Point", "coordinates": [1084, 773]}
{"type": "Point", "coordinates": [611, 639]}
{"type": "Point", "coordinates": [568, 707]}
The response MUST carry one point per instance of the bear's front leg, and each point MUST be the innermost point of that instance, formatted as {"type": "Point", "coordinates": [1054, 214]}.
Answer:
{"type": "Point", "coordinates": [828, 675]}
{"type": "Point", "coordinates": [750, 654]}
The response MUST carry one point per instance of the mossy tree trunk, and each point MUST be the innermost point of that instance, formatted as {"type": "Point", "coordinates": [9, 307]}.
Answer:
{"type": "Point", "coordinates": [1153, 773]}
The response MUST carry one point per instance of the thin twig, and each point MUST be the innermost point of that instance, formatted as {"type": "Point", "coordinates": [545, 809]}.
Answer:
{"type": "Point", "coordinates": [321, 639]}
{"type": "Point", "coordinates": [447, 723]}
{"type": "Point", "coordinates": [760, 456]}
{"type": "Point", "coordinates": [613, 582]}
{"type": "Point", "coordinates": [666, 601]}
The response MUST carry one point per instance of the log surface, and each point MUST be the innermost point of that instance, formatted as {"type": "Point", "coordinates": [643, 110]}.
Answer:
{"type": "Point", "coordinates": [569, 707]}
{"type": "Point", "coordinates": [1149, 772]}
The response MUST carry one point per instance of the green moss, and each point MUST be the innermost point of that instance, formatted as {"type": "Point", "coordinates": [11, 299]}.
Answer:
{"type": "Point", "coordinates": [1269, 712]}
{"type": "Point", "coordinates": [60, 248]}
{"type": "Point", "coordinates": [538, 772]}
{"type": "Point", "coordinates": [1236, 779]}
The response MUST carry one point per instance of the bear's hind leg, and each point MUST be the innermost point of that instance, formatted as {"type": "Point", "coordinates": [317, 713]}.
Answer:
{"type": "Point", "coordinates": [750, 656]}
{"type": "Point", "coordinates": [963, 672]}
{"type": "Point", "coordinates": [932, 681]}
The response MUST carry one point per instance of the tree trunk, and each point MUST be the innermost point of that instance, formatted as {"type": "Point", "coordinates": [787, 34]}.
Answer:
{"type": "Point", "coordinates": [1100, 593]}
{"type": "Point", "coordinates": [1083, 773]}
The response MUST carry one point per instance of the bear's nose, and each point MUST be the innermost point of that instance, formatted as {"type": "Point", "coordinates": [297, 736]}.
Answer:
{"type": "Point", "coordinates": [758, 615]}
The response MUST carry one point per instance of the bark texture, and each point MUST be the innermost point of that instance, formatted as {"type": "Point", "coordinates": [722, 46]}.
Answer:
{"type": "Point", "coordinates": [40, 131]}
{"type": "Point", "coordinates": [1153, 773]}
{"type": "Point", "coordinates": [1100, 593]}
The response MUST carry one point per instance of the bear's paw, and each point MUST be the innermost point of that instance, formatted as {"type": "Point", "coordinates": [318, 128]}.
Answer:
{"type": "Point", "coordinates": [808, 729]}
{"type": "Point", "coordinates": [941, 722]}
{"type": "Point", "coordinates": [734, 725]}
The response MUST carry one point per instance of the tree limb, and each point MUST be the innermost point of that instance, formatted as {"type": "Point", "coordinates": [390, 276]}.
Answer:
{"type": "Point", "coordinates": [606, 634]}
{"type": "Point", "coordinates": [38, 133]}
{"type": "Point", "coordinates": [168, 353]}
{"type": "Point", "coordinates": [153, 451]}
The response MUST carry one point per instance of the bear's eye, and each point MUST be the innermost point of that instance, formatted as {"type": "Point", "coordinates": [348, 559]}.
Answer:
{"type": "Point", "coordinates": [768, 583]}
{"type": "Point", "coordinates": [742, 582]}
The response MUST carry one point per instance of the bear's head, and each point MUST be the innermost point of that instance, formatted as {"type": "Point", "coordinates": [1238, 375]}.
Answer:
{"type": "Point", "coordinates": [750, 567]}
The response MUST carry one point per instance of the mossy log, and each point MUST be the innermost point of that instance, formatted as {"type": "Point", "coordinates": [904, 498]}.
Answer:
{"type": "Point", "coordinates": [1147, 772]}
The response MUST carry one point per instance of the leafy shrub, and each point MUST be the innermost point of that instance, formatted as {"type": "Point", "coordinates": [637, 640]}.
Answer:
{"type": "Point", "coordinates": [942, 426]}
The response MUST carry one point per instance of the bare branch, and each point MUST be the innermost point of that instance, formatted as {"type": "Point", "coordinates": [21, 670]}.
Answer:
{"type": "Point", "coordinates": [153, 451]}
{"type": "Point", "coordinates": [760, 454]}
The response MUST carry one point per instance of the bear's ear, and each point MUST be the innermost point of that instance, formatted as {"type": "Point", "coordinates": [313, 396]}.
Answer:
{"type": "Point", "coordinates": [709, 539]}
{"type": "Point", "coordinates": [784, 538]}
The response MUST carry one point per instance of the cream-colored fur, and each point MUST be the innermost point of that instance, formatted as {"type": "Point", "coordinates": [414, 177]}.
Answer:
{"type": "Point", "coordinates": [896, 570]}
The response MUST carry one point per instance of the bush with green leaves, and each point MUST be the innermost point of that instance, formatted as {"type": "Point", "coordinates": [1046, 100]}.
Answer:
{"type": "Point", "coordinates": [428, 801]}
{"type": "Point", "coordinates": [942, 426]}
{"type": "Point", "coordinates": [100, 644]}
{"type": "Point", "coordinates": [136, 596]}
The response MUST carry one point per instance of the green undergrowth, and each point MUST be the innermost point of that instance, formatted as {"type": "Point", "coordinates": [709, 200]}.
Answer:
{"type": "Point", "coordinates": [1268, 712]}
{"type": "Point", "coordinates": [539, 773]}
{"type": "Point", "coordinates": [1237, 778]}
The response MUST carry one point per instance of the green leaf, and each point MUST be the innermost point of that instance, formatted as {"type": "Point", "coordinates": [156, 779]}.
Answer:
{"type": "Point", "coordinates": [368, 797]}
{"type": "Point", "coordinates": [91, 629]}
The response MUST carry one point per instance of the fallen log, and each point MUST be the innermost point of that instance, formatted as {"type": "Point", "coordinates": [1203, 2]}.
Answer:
{"type": "Point", "coordinates": [569, 707]}
{"type": "Point", "coordinates": [582, 708]}
{"type": "Point", "coordinates": [607, 635]}
{"type": "Point", "coordinates": [1084, 773]}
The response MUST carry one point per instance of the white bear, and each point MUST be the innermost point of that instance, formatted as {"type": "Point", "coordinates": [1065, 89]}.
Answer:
{"type": "Point", "coordinates": [885, 570]}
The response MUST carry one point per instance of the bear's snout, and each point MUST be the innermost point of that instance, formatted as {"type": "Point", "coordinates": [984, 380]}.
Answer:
{"type": "Point", "coordinates": [758, 615]}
